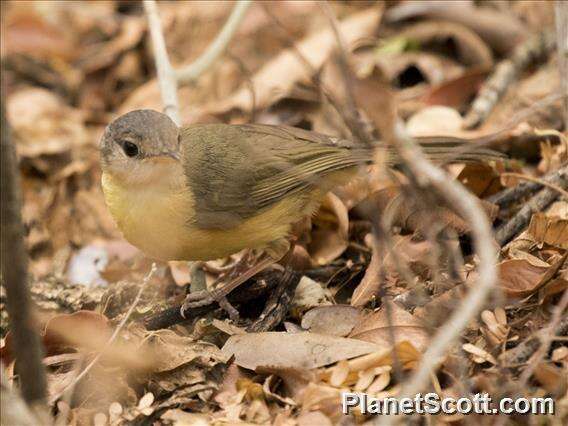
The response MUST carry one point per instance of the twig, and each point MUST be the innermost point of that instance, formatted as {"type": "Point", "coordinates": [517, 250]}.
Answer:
{"type": "Point", "coordinates": [113, 337]}
{"type": "Point", "coordinates": [166, 75]}
{"type": "Point", "coordinates": [535, 48]}
{"type": "Point", "coordinates": [14, 262]}
{"type": "Point", "coordinates": [350, 113]}
{"type": "Point", "coordinates": [561, 15]}
{"type": "Point", "coordinates": [537, 203]}
{"type": "Point", "coordinates": [426, 174]}
{"type": "Point", "coordinates": [537, 180]}
{"type": "Point", "coordinates": [171, 316]}
{"type": "Point", "coordinates": [217, 47]}
{"type": "Point", "coordinates": [511, 195]}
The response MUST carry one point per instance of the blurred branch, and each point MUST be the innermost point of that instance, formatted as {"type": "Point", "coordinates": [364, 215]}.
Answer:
{"type": "Point", "coordinates": [561, 15]}
{"type": "Point", "coordinates": [217, 47]}
{"type": "Point", "coordinates": [14, 262]}
{"type": "Point", "coordinates": [426, 175]}
{"type": "Point", "coordinates": [506, 72]}
{"type": "Point", "coordinates": [166, 74]}
{"type": "Point", "coordinates": [168, 77]}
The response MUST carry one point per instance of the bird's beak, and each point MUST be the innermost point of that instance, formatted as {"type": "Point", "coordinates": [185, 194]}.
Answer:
{"type": "Point", "coordinates": [173, 154]}
{"type": "Point", "coordinates": [166, 155]}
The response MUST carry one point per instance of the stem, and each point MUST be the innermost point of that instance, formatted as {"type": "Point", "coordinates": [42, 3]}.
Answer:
{"type": "Point", "coordinates": [217, 47]}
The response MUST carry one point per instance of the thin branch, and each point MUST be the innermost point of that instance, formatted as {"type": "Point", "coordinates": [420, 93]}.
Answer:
{"type": "Point", "coordinates": [428, 175]}
{"type": "Point", "coordinates": [537, 203]}
{"type": "Point", "coordinates": [14, 263]}
{"type": "Point", "coordinates": [561, 15]}
{"type": "Point", "coordinates": [468, 207]}
{"type": "Point", "coordinates": [166, 74]}
{"type": "Point", "coordinates": [540, 181]}
{"type": "Point", "coordinates": [217, 47]}
{"type": "Point", "coordinates": [113, 337]}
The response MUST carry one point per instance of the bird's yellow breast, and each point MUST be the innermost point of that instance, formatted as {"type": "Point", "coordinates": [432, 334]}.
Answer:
{"type": "Point", "coordinates": [158, 218]}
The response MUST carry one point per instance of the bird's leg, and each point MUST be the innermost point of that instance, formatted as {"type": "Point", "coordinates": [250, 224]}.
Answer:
{"type": "Point", "coordinates": [202, 298]}
{"type": "Point", "coordinates": [277, 304]}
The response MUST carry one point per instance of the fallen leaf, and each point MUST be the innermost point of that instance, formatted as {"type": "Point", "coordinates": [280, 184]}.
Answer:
{"type": "Point", "coordinates": [298, 350]}
{"type": "Point", "coordinates": [503, 31]}
{"type": "Point", "coordinates": [370, 284]}
{"type": "Point", "coordinates": [330, 237]}
{"type": "Point", "coordinates": [547, 229]}
{"type": "Point", "coordinates": [435, 121]}
{"type": "Point", "coordinates": [334, 320]}
{"type": "Point", "coordinates": [456, 92]}
{"type": "Point", "coordinates": [374, 328]}
{"type": "Point", "coordinates": [277, 77]}
{"type": "Point", "coordinates": [471, 49]}
{"type": "Point", "coordinates": [519, 278]}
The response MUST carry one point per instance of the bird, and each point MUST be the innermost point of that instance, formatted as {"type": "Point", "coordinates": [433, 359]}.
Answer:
{"type": "Point", "coordinates": [207, 191]}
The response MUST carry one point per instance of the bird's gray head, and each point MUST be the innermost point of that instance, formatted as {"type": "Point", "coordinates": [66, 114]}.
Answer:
{"type": "Point", "coordinates": [135, 141]}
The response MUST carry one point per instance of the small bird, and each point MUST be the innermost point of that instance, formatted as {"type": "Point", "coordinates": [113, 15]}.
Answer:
{"type": "Point", "coordinates": [207, 191]}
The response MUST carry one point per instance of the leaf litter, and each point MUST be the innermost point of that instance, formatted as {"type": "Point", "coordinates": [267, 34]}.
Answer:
{"type": "Point", "coordinates": [356, 322]}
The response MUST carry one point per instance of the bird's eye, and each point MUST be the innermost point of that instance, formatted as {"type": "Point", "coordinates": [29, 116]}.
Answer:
{"type": "Point", "coordinates": [130, 149]}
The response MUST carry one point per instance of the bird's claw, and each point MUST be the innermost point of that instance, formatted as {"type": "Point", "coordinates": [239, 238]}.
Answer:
{"type": "Point", "coordinates": [204, 298]}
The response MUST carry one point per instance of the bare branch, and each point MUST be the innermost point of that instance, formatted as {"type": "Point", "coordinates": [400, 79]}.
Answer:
{"type": "Point", "coordinates": [217, 47]}
{"type": "Point", "coordinates": [561, 15]}
{"type": "Point", "coordinates": [427, 175]}
{"type": "Point", "coordinates": [14, 262]}
{"type": "Point", "coordinates": [166, 74]}
{"type": "Point", "coordinates": [468, 207]}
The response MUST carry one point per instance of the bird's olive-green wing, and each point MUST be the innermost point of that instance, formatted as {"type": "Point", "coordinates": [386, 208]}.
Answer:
{"type": "Point", "coordinates": [236, 171]}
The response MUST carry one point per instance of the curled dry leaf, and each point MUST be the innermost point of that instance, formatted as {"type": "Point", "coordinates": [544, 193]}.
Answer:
{"type": "Point", "coordinates": [334, 320]}
{"type": "Point", "coordinates": [298, 350]}
{"type": "Point", "coordinates": [330, 237]}
{"type": "Point", "coordinates": [370, 284]}
{"type": "Point", "coordinates": [409, 69]}
{"type": "Point", "coordinates": [551, 230]}
{"type": "Point", "coordinates": [480, 178]}
{"type": "Point", "coordinates": [308, 294]}
{"type": "Point", "coordinates": [519, 278]}
{"type": "Point", "coordinates": [456, 92]}
{"type": "Point", "coordinates": [501, 30]}
{"type": "Point", "coordinates": [472, 50]}
{"type": "Point", "coordinates": [496, 329]}
{"type": "Point", "coordinates": [479, 355]}
{"type": "Point", "coordinates": [374, 328]}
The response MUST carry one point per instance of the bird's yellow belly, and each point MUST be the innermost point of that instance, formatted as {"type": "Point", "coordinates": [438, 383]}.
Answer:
{"type": "Point", "coordinates": [159, 221]}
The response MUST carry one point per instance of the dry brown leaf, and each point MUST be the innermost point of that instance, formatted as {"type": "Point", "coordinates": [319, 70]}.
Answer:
{"type": "Point", "coordinates": [330, 237]}
{"type": "Point", "coordinates": [472, 50]}
{"type": "Point", "coordinates": [519, 278]}
{"type": "Point", "coordinates": [174, 351]}
{"type": "Point", "coordinates": [501, 30]}
{"type": "Point", "coordinates": [480, 178]}
{"type": "Point", "coordinates": [298, 350]}
{"type": "Point", "coordinates": [457, 91]}
{"type": "Point", "coordinates": [375, 328]}
{"type": "Point", "coordinates": [547, 229]}
{"type": "Point", "coordinates": [277, 77]}
{"type": "Point", "coordinates": [334, 320]}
